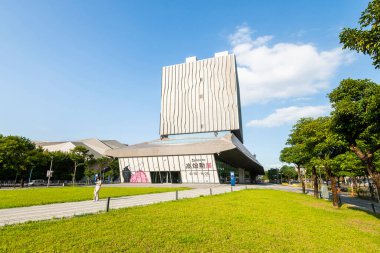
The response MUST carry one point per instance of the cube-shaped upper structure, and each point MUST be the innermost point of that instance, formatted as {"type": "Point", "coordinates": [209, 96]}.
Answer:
{"type": "Point", "coordinates": [201, 96]}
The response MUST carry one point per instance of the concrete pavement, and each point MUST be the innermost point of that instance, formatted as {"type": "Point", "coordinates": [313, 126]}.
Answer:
{"type": "Point", "coordinates": [69, 209]}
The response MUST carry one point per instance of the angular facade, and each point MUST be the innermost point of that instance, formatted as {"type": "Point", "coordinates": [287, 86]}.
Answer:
{"type": "Point", "coordinates": [201, 96]}
{"type": "Point", "coordinates": [201, 138]}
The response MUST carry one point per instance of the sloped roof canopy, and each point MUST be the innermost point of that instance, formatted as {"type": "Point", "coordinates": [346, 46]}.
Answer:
{"type": "Point", "coordinates": [229, 148]}
{"type": "Point", "coordinates": [96, 147]}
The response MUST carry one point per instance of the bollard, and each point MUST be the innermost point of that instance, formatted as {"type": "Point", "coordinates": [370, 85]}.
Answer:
{"type": "Point", "coordinates": [108, 204]}
{"type": "Point", "coordinates": [231, 188]}
{"type": "Point", "coordinates": [210, 191]}
{"type": "Point", "coordinates": [373, 208]}
{"type": "Point", "coordinates": [176, 195]}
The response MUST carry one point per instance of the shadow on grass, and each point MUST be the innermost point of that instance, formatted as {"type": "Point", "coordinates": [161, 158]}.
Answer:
{"type": "Point", "coordinates": [376, 215]}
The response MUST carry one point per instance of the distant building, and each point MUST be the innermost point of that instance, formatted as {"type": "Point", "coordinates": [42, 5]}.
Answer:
{"type": "Point", "coordinates": [201, 137]}
{"type": "Point", "coordinates": [96, 147]}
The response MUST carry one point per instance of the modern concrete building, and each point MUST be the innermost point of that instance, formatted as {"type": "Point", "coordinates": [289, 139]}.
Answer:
{"type": "Point", "coordinates": [96, 147]}
{"type": "Point", "coordinates": [201, 138]}
{"type": "Point", "coordinates": [201, 96]}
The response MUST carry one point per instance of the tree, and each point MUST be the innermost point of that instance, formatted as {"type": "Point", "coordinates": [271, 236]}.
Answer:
{"type": "Point", "coordinates": [314, 144]}
{"type": "Point", "coordinates": [356, 117]}
{"type": "Point", "coordinates": [62, 165]}
{"type": "Point", "coordinates": [103, 163]}
{"type": "Point", "coordinates": [288, 172]}
{"type": "Point", "coordinates": [297, 152]}
{"type": "Point", "coordinates": [351, 166]}
{"type": "Point", "coordinates": [79, 155]}
{"type": "Point", "coordinates": [37, 161]}
{"type": "Point", "coordinates": [272, 174]}
{"type": "Point", "coordinates": [326, 147]}
{"type": "Point", "coordinates": [101, 166]}
{"type": "Point", "coordinates": [297, 155]}
{"type": "Point", "coordinates": [15, 153]}
{"type": "Point", "coordinates": [112, 170]}
{"type": "Point", "coordinates": [366, 39]}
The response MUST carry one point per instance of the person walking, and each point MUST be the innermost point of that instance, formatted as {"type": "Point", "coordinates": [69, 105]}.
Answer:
{"type": "Point", "coordinates": [98, 184]}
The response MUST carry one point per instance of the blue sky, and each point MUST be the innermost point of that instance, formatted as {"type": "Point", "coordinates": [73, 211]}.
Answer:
{"type": "Point", "coordinates": [78, 69]}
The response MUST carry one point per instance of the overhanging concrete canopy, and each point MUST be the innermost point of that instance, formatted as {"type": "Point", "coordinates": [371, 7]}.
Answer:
{"type": "Point", "coordinates": [228, 148]}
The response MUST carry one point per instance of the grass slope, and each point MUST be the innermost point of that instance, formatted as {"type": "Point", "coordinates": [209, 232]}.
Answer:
{"type": "Point", "coordinates": [244, 221]}
{"type": "Point", "coordinates": [41, 196]}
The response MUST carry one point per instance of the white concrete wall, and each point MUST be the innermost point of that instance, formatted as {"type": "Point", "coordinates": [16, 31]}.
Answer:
{"type": "Point", "coordinates": [200, 96]}
{"type": "Point", "coordinates": [193, 168]}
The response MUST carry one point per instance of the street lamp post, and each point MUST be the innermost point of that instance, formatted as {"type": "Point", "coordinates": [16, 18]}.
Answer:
{"type": "Point", "coordinates": [30, 174]}
{"type": "Point", "coordinates": [50, 171]}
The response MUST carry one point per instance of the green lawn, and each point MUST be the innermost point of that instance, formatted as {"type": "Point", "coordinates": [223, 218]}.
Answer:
{"type": "Point", "coordinates": [41, 196]}
{"type": "Point", "coordinates": [244, 221]}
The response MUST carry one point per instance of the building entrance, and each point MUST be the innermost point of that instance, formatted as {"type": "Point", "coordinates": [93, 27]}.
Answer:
{"type": "Point", "coordinates": [161, 177]}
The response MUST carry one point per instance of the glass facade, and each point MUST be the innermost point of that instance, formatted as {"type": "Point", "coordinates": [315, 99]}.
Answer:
{"type": "Point", "coordinates": [224, 170]}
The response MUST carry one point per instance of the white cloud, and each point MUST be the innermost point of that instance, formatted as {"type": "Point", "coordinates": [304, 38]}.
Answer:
{"type": "Point", "coordinates": [283, 70]}
{"type": "Point", "coordinates": [290, 114]}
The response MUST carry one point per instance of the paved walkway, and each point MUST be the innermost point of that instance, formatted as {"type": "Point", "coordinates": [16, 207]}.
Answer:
{"type": "Point", "coordinates": [69, 209]}
{"type": "Point", "coordinates": [345, 198]}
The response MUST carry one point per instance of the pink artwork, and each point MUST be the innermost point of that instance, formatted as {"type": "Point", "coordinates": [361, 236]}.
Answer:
{"type": "Point", "coordinates": [139, 177]}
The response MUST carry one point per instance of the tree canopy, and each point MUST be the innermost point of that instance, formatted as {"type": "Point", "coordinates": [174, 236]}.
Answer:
{"type": "Point", "coordinates": [288, 172]}
{"type": "Point", "coordinates": [365, 39]}
{"type": "Point", "coordinates": [79, 155]}
{"type": "Point", "coordinates": [356, 117]}
{"type": "Point", "coordinates": [313, 144]}
{"type": "Point", "coordinates": [16, 154]}
{"type": "Point", "coordinates": [20, 159]}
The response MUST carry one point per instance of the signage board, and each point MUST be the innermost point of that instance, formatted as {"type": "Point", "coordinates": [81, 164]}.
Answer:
{"type": "Point", "coordinates": [233, 180]}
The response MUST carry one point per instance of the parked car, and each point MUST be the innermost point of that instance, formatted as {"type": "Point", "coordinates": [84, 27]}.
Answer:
{"type": "Point", "coordinates": [37, 182]}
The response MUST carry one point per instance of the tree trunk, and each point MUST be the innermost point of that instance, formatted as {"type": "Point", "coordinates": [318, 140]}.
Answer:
{"type": "Point", "coordinates": [355, 186]}
{"type": "Point", "coordinates": [299, 173]}
{"type": "Point", "coordinates": [375, 178]}
{"type": "Point", "coordinates": [315, 180]}
{"type": "Point", "coordinates": [300, 178]}
{"type": "Point", "coordinates": [367, 159]}
{"type": "Point", "coordinates": [303, 184]}
{"type": "Point", "coordinates": [22, 182]}
{"type": "Point", "coordinates": [359, 188]}
{"type": "Point", "coordinates": [75, 171]}
{"type": "Point", "coordinates": [334, 190]}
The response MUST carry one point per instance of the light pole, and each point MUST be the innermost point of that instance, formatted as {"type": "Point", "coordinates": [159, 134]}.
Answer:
{"type": "Point", "coordinates": [30, 175]}
{"type": "Point", "coordinates": [50, 171]}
